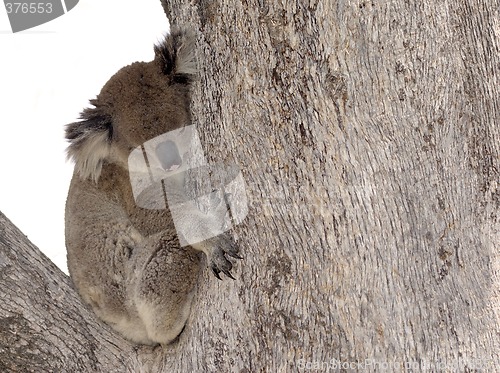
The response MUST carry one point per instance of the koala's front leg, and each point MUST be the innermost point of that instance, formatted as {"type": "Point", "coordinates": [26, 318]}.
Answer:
{"type": "Point", "coordinates": [200, 223]}
{"type": "Point", "coordinates": [201, 214]}
{"type": "Point", "coordinates": [216, 249]}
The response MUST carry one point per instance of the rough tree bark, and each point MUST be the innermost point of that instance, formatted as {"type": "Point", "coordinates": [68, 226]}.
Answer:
{"type": "Point", "coordinates": [368, 136]}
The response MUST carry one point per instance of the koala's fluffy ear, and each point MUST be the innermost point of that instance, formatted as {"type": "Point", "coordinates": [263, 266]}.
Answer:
{"type": "Point", "coordinates": [176, 55]}
{"type": "Point", "coordinates": [90, 142]}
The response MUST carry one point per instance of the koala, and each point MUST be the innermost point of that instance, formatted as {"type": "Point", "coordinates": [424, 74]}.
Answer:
{"type": "Point", "coordinates": [126, 261]}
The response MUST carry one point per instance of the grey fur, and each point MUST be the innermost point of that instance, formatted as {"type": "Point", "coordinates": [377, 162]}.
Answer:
{"type": "Point", "coordinates": [126, 261]}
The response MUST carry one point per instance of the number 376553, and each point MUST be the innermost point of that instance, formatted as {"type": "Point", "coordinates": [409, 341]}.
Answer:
{"type": "Point", "coordinates": [26, 8]}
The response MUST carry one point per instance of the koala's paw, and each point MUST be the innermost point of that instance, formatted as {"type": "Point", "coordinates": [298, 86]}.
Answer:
{"type": "Point", "coordinates": [221, 247]}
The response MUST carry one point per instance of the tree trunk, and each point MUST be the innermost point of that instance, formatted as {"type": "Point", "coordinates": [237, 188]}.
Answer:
{"type": "Point", "coordinates": [368, 138]}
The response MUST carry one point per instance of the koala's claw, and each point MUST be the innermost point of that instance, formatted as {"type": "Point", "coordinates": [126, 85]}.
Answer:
{"type": "Point", "coordinates": [234, 255]}
{"type": "Point", "coordinates": [218, 262]}
{"type": "Point", "coordinates": [228, 274]}
{"type": "Point", "coordinates": [216, 272]}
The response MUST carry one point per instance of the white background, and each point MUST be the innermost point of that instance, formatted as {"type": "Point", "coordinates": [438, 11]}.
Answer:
{"type": "Point", "coordinates": [47, 75]}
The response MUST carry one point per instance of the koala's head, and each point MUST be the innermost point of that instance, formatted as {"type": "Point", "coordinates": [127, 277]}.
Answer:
{"type": "Point", "coordinates": [140, 102]}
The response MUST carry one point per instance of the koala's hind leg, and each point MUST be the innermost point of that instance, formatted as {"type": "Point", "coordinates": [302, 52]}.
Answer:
{"type": "Point", "coordinates": [165, 289]}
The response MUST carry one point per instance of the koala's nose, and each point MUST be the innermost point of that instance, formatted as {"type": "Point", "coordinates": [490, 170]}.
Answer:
{"type": "Point", "coordinates": [168, 155]}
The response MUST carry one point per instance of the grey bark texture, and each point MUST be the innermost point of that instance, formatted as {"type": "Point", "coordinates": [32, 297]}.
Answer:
{"type": "Point", "coordinates": [367, 133]}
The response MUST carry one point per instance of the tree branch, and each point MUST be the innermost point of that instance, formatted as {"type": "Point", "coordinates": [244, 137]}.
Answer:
{"type": "Point", "coordinates": [44, 327]}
